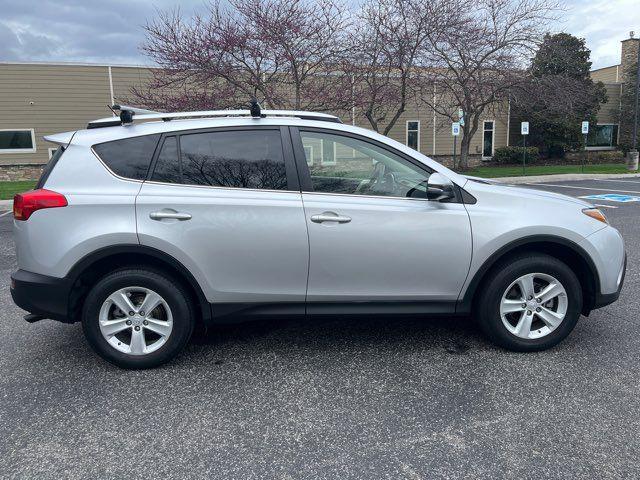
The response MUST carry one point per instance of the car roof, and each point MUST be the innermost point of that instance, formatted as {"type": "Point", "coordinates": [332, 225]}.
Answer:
{"type": "Point", "coordinates": [90, 137]}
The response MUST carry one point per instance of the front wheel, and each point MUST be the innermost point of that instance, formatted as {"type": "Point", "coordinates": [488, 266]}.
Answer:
{"type": "Point", "coordinates": [137, 318]}
{"type": "Point", "coordinates": [530, 303]}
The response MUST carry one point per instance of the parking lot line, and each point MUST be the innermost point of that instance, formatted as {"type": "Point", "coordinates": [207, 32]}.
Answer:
{"type": "Point", "coordinates": [619, 180]}
{"type": "Point", "coordinates": [5, 213]}
{"type": "Point", "coordinates": [583, 188]}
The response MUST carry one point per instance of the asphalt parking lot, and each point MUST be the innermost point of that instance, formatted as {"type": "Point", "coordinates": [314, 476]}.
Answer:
{"type": "Point", "coordinates": [366, 398]}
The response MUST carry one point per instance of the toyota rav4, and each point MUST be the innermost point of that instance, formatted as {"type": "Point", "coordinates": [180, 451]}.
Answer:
{"type": "Point", "coordinates": [147, 225]}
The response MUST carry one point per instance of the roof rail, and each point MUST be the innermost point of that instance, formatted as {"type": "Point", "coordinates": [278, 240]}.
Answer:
{"type": "Point", "coordinates": [128, 116]}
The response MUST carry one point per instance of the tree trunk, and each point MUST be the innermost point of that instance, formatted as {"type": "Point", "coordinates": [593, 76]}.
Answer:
{"type": "Point", "coordinates": [464, 152]}
{"type": "Point", "coordinates": [468, 131]}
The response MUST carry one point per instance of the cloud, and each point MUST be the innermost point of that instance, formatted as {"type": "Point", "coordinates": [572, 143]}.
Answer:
{"type": "Point", "coordinates": [79, 30]}
{"type": "Point", "coordinates": [110, 31]}
{"type": "Point", "coordinates": [604, 24]}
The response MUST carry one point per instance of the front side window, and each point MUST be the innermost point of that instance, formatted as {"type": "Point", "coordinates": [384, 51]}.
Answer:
{"type": "Point", "coordinates": [361, 168]}
{"type": "Point", "coordinates": [129, 157]}
{"type": "Point", "coordinates": [17, 141]}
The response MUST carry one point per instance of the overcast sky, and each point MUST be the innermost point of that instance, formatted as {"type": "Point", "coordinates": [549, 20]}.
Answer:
{"type": "Point", "coordinates": [110, 31]}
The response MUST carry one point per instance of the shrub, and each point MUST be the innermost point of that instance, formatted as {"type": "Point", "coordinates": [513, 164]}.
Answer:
{"type": "Point", "coordinates": [513, 155]}
{"type": "Point", "coordinates": [611, 156]}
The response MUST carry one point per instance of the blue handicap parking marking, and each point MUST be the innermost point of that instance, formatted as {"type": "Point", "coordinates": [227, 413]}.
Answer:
{"type": "Point", "coordinates": [613, 197]}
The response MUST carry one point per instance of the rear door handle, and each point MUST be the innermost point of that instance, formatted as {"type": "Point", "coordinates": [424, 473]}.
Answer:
{"type": "Point", "coordinates": [168, 214]}
{"type": "Point", "coordinates": [330, 217]}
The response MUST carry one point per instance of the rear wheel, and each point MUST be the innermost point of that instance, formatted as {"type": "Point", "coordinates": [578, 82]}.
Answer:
{"type": "Point", "coordinates": [137, 318]}
{"type": "Point", "coordinates": [530, 303]}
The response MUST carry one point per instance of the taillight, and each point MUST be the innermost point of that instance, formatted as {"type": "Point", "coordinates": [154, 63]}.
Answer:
{"type": "Point", "coordinates": [24, 204]}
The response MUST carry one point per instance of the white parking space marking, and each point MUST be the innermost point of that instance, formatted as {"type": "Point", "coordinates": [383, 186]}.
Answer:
{"type": "Point", "coordinates": [583, 188]}
{"type": "Point", "coordinates": [604, 206]}
{"type": "Point", "coordinates": [620, 180]}
{"type": "Point", "coordinates": [5, 213]}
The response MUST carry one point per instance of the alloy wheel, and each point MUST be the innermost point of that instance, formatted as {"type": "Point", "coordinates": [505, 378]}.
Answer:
{"type": "Point", "coordinates": [135, 320]}
{"type": "Point", "coordinates": [534, 305]}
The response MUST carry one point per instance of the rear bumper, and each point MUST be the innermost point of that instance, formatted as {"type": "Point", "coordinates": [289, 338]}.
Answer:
{"type": "Point", "coordinates": [41, 295]}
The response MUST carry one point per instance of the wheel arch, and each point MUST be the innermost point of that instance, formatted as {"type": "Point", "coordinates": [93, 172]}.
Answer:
{"type": "Point", "coordinates": [561, 248]}
{"type": "Point", "coordinates": [93, 266]}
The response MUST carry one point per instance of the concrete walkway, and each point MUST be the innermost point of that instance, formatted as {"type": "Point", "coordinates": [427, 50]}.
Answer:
{"type": "Point", "coordinates": [563, 177]}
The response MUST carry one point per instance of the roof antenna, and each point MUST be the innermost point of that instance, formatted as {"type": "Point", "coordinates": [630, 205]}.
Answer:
{"type": "Point", "coordinates": [255, 109]}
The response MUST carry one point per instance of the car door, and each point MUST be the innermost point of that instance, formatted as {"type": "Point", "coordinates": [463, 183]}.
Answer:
{"type": "Point", "coordinates": [227, 205]}
{"type": "Point", "coordinates": [373, 235]}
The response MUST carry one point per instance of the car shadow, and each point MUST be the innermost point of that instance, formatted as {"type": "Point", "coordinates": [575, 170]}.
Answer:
{"type": "Point", "coordinates": [456, 335]}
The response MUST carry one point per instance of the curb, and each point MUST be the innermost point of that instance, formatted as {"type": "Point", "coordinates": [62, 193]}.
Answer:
{"type": "Point", "coordinates": [563, 177]}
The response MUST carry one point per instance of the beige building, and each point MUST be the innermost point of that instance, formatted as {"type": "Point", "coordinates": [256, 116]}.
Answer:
{"type": "Point", "coordinates": [607, 133]}
{"type": "Point", "coordinates": [38, 99]}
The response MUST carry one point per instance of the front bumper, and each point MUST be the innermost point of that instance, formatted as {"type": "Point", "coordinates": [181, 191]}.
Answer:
{"type": "Point", "coordinates": [604, 299]}
{"type": "Point", "coordinates": [41, 295]}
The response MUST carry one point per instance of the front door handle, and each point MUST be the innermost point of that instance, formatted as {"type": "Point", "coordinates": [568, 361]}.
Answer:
{"type": "Point", "coordinates": [330, 217]}
{"type": "Point", "coordinates": [169, 214]}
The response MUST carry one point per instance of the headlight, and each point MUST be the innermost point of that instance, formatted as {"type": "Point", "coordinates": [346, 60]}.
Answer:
{"type": "Point", "coordinates": [595, 213]}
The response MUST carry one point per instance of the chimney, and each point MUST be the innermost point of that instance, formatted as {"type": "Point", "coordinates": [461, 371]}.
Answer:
{"type": "Point", "coordinates": [629, 56]}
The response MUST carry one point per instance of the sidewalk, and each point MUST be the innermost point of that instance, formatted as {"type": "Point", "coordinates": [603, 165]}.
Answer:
{"type": "Point", "coordinates": [563, 177]}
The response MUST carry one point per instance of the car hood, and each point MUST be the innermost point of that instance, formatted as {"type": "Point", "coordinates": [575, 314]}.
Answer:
{"type": "Point", "coordinates": [530, 192]}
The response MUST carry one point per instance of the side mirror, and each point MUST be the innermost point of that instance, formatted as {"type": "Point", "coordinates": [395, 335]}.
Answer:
{"type": "Point", "coordinates": [439, 188]}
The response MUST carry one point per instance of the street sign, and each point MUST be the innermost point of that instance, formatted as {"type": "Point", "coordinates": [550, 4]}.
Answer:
{"type": "Point", "coordinates": [455, 129]}
{"type": "Point", "coordinates": [585, 128]}
{"type": "Point", "coordinates": [524, 128]}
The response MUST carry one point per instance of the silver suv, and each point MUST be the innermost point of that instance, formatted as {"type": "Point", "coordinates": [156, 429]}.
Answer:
{"type": "Point", "coordinates": [143, 230]}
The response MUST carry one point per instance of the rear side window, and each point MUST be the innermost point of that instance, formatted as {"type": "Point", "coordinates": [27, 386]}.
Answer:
{"type": "Point", "coordinates": [129, 157]}
{"type": "Point", "coordinates": [48, 168]}
{"type": "Point", "coordinates": [239, 159]}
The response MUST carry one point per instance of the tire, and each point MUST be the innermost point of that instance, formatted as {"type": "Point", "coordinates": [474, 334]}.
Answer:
{"type": "Point", "coordinates": [144, 339]}
{"type": "Point", "coordinates": [505, 287]}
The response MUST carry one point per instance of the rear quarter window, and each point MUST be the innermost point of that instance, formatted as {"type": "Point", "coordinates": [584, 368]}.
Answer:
{"type": "Point", "coordinates": [129, 157]}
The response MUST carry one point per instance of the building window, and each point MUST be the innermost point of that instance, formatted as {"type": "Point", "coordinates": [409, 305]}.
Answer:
{"type": "Point", "coordinates": [603, 136]}
{"type": "Point", "coordinates": [308, 153]}
{"type": "Point", "coordinates": [327, 152]}
{"type": "Point", "coordinates": [488, 138]}
{"type": "Point", "coordinates": [413, 134]}
{"type": "Point", "coordinates": [17, 141]}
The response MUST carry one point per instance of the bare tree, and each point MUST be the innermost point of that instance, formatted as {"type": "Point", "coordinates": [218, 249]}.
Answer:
{"type": "Point", "coordinates": [474, 66]}
{"type": "Point", "coordinates": [281, 52]}
{"type": "Point", "coordinates": [389, 37]}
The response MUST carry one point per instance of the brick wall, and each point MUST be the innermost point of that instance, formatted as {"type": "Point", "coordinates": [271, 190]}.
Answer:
{"type": "Point", "coordinates": [20, 172]}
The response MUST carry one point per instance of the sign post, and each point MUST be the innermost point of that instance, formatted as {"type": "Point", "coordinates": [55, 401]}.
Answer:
{"type": "Point", "coordinates": [524, 130]}
{"type": "Point", "coordinates": [455, 131]}
{"type": "Point", "coordinates": [585, 132]}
